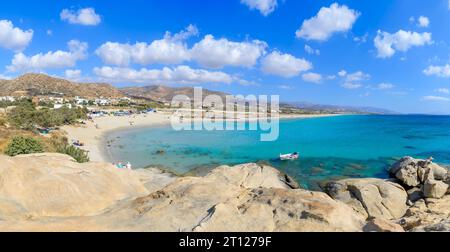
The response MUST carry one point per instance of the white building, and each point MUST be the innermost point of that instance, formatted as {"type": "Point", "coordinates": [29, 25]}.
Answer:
{"type": "Point", "coordinates": [59, 105]}
{"type": "Point", "coordinates": [7, 98]}
{"type": "Point", "coordinates": [102, 102]}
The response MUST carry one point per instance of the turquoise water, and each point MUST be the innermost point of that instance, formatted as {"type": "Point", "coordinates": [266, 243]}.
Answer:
{"type": "Point", "coordinates": [331, 148]}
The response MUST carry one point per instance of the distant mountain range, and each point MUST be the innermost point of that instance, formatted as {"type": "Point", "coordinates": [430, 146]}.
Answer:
{"type": "Point", "coordinates": [164, 93]}
{"type": "Point", "coordinates": [336, 109]}
{"type": "Point", "coordinates": [41, 84]}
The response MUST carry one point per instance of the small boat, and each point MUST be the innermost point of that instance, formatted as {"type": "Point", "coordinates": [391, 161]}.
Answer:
{"type": "Point", "coordinates": [291, 156]}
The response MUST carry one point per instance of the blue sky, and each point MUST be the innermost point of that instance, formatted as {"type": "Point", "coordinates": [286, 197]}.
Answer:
{"type": "Point", "coordinates": [388, 54]}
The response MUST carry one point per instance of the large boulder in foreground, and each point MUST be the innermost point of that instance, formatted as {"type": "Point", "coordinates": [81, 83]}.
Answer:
{"type": "Point", "coordinates": [371, 198]}
{"type": "Point", "coordinates": [246, 197]}
{"type": "Point", "coordinates": [54, 185]}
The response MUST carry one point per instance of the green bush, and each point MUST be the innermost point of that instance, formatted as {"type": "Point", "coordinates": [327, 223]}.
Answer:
{"type": "Point", "coordinates": [25, 116]}
{"type": "Point", "coordinates": [24, 145]}
{"type": "Point", "coordinates": [81, 156]}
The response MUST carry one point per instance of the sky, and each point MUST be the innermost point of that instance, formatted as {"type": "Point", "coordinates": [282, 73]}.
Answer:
{"type": "Point", "coordinates": [387, 54]}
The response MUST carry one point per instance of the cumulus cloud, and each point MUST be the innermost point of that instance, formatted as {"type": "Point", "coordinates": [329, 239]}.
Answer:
{"type": "Point", "coordinates": [311, 50]}
{"type": "Point", "coordinates": [172, 49]}
{"type": "Point", "coordinates": [218, 53]}
{"type": "Point", "coordinates": [86, 16]}
{"type": "Point", "coordinates": [329, 20]}
{"type": "Point", "coordinates": [435, 98]}
{"type": "Point", "coordinates": [284, 65]}
{"type": "Point", "coordinates": [13, 38]}
{"type": "Point", "coordinates": [385, 86]}
{"type": "Point", "coordinates": [58, 59]}
{"type": "Point", "coordinates": [177, 75]}
{"type": "Point", "coordinates": [423, 21]}
{"type": "Point", "coordinates": [387, 44]}
{"type": "Point", "coordinates": [72, 74]}
{"type": "Point", "coordinates": [264, 6]}
{"type": "Point", "coordinates": [354, 80]}
{"type": "Point", "coordinates": [440, 71]}
{"type": "Point", "coordinates": [312, 77]}
{"type": "Point", "coordinates": [443, 90]}
{"type": "Point", "coordinates": [5, 77]}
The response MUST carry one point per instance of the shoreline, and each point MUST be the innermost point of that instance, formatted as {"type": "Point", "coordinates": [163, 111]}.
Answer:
{"type": "Point", "coordinates": [94, 139]}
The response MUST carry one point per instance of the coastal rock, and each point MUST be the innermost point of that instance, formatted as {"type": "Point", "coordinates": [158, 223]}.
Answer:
{"type": "Point", "coordinates": [415, 194]}
{"type": "Point", "coordinates": [246, 197]}
{"type": "Point", "coordinates": [414, 172]}
{"type": "Point", "coordinates": [426, 212]}
{"type": "Point", "coordinates": [406, 171]}
{"type": "Point", "coordinates": [281, 210]}
{"type": "Point", "coordinates": [374, 198]}
{"type": "Point", "coordinates": [434, 189]}
{"type": "Point", "coordinates": [382, 225]}
{"type": "Point", "coordinates": [53, 185]}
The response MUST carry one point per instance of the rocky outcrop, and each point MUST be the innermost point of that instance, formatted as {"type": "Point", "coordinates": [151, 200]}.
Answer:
{"type": "Point", "coordinates": [414, 172]}
{"type": "Point", "coordinates": [246, 197]}
{"type": "Point", "coordinates": [51, 192]}
{"type": "Point", "coordinates": [382, 225]}
{"type": "Point", "coordinates": [371, 198]}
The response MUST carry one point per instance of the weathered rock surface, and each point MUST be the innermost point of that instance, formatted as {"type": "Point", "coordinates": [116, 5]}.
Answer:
{"type": "Point", "coordinates": [426, 212]}
{"type": "Point", "coordinates": [50, 192]}
{"type": "Point", "coordinates": [374, 198]}
{"type": "Point", "coordinates": [413, 172]}
{"type": "Point", "coordinates": [247, 197]}
{"type": "Point", "coordinates": [381, 225]}
{"type": "Point", "coordinates": [434, 189]}
{"type": "Point", "coordinates": [54, 185]}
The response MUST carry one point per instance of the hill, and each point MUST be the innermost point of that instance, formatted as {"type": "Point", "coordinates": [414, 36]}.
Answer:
{"type": "Point", "coordinates": [40, 84]}
{"type": "Point", "coordinates": [164, 93]}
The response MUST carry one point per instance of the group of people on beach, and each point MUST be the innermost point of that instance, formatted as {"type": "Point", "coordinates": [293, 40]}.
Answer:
{"type": "Point", "coordinates": [128, 166]}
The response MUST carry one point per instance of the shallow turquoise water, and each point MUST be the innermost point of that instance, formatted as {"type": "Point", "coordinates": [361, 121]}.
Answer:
{"type": "Point", "coordinates": [331, 148]}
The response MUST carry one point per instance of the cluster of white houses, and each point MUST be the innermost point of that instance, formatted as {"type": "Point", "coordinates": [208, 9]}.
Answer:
{"type": "Point", "coordinates": [60, 101]}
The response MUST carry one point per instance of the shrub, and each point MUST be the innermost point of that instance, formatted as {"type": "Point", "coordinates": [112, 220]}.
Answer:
{"type": "Point", "coordinates": [23, 145]}
{"type": "Point", "coordinates": [81, 156]}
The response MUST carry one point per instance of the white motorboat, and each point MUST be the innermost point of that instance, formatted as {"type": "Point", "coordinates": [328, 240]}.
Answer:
{"type": "Point", "coordinates": [291, 156]}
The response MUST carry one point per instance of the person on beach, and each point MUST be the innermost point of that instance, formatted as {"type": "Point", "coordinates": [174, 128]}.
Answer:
{"type": "Point", "coordinates": [128, 166]}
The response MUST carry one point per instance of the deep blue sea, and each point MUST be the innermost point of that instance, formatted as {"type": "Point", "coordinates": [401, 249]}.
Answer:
{"type": "Point", "coordinates": [331, 148]}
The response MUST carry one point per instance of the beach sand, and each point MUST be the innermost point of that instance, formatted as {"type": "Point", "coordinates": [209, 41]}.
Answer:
{"type": "Point", "coordinates": [93, 137]}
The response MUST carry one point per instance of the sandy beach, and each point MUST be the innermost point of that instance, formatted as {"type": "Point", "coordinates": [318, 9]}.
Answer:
{"type": "Point", "coordinates": [93, 132]}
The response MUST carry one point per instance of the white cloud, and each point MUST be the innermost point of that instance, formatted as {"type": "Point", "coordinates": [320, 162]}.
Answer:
{"type": "Point", "coordinates": [443, 90]}
{"type": "Point", "coordinates": [218, 53]}
{"type": "Point", "coordinates": [170, 50]}
{"type": "Point", "coordinates": [86, 16]}
{"type": "Point", "coordinates": [385, 86]}
{"type": "Point", "coordinates": [284, 65]}
{"type": "Point", "coordinates": [312, 77]}
{"type": "Point", "coordinates": [4, 77]}
{"type": "Point", "coordinates": [286, 87]}
{"type": "Point", "coordinates": [13, 38]}
{"type": "Point", "coordinates": [423, 21]}
{"type": "Point", "coordinates": [264, 6]}
{"type": "Point", "coordinates": [435, 98]}
{"type": "Point", "coordinates": [311, 50]}
{"type": "Point", "coordinates": [449, 4]}
{"type": "Point", "coordinates": [58, 59]}
{"type": "Point", "coordinates": [342, 73]}
{"type": "Point", "coordinates": [72, 74]}
{"type": "Point", "coordinates": [362, 39]}
{"type": "Point", "coordinates": [336, 18]}
{"type": "Point", "coordinates": [49, 32]}
{"type": "Point", "coordinates": [177, 75]}
{"type": "Point", "coordinates": [440, 71]}
{"type": "Point", "coordinates": [354, 80]}
{"type": "Point", "coordinates": [387, 44]}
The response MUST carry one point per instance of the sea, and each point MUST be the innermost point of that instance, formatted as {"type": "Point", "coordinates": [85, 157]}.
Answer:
{"type": "Point", "coordinates": [331, 148]}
